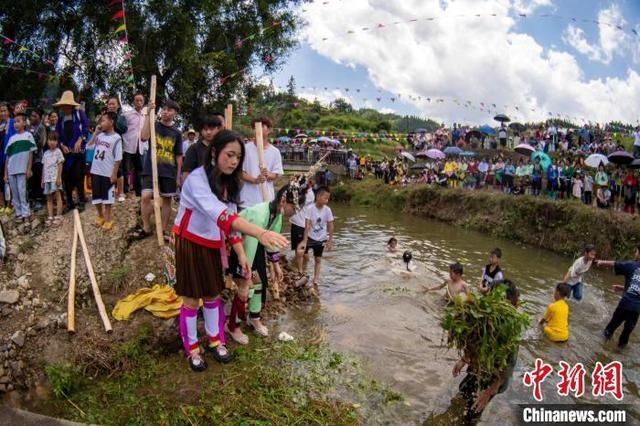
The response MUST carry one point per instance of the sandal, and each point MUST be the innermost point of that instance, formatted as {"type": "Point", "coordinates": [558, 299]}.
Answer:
{"type": "Point", "coordinates": [243, 339]}
{"type": "Point", "coordinates": [107, 226]}
{"type": "Point", "coordinates": [49, 221]}
{"type": "Point", "coordinates": [57, 221]}
{"type": "Point", "coordinates": [197, 366]}
{"type": "Point", "coordinates": [220, 353]}
{"type": "Point", "coordinates": [99, 222]}
{"type": "Point", "coordinates": [260, 330]}
{"type": "Point", "coordinates": [139, 234]}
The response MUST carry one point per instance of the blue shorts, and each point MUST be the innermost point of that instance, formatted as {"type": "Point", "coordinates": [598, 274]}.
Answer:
{"type": "Point", "coordinates": [51, 188]}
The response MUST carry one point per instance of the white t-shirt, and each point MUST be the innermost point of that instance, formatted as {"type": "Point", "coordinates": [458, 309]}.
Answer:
{"type": "Point", "coordinates": [577, 188]}
{"type": "Point", "coordinates": [250, 194]}
{"type": "Point", "coordinates": [502, 133]}
{"type": "Point", "coordinates": [50, 160]}
{"type": "Point", "coordinates": [577, 271]}
{"type": "Point", "coordinates": [319, 219]}
{"type": "Point", "coordinates": [298, 218]}
{"type": "Point", "coordinates": [108, 150]}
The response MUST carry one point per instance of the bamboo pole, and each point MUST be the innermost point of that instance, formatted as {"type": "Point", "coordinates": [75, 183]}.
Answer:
{"type": "Point", "coordinates": [71, 308]}
{"type": "Point", "coordinates": [92, 277]}
{"type": "Point", "coordinates": [157, 213]}
{"type": "Point", "coordinates": [260, 145]}
{"type": "Point", "coordinates": [228, 117]}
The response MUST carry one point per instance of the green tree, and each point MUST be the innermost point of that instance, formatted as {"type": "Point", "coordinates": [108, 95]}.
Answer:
{"type": "Point", "coordinates": [342, 106]}
{"type": "Point", "coordinates": [201, 51]}
{"type": "Point", "coordinates": [291, 88]}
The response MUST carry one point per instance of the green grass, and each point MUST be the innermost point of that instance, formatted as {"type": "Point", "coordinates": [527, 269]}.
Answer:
{"type": "Point", "coordinates": [269, 382]}
{"type": "Point", "coordinates": [117, 277]}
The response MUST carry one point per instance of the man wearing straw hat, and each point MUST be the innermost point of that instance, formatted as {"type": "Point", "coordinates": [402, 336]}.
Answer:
{"type": "Point", "coordinates": [73, 132]}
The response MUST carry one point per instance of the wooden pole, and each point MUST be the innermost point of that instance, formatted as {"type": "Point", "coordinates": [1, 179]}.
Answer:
{"type": "Point", "coordinates": [71, 309]}
{"type": "Point", "coordinates": [260, 145]}
{"type": "Point", "coordinates": [157, 213]}
{"type": "Point", "coordinates": [92, 277]}
{"type": "Point", "coordinates": [228, 117]}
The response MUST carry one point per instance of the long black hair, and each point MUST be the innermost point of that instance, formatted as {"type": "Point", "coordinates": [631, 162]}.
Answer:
{"type": "Point", "coordinates": [225, 187]}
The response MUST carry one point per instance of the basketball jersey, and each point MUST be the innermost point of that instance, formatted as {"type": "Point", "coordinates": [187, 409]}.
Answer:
{"type": "Point", "coordinates": [108, 150]}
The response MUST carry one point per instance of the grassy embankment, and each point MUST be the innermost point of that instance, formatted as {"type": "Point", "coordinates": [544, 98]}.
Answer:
{"type": "Point", "coordinates": [560, 226]}
{"type": "Point", "coordinates": [269, 382]}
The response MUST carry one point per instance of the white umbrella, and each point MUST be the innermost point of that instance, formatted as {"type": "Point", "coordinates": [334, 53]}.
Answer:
{"type": "Point", "coordinates": [594, 160]}
{"type": "Point", "coordinates": [408, 156]}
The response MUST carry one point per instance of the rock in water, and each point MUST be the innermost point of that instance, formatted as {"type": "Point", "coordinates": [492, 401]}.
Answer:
{"type": "Point", "coordinates": [18, 338]}
{"type": "Point", "coordinates": [9, 296]}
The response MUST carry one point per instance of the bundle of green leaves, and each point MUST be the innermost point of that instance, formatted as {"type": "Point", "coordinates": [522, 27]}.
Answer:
{"type": "Point", "coordinates": [485, 330]}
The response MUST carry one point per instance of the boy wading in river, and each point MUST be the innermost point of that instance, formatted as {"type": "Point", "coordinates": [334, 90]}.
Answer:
{"type": "Point", "coordinates": [455, 285]}
{"type": "Point", "coordinates": [628, 308]}
{"type": "Point", "coordinates": [318, 230]}
{"type": "Point", "coordinates": [575, 274]}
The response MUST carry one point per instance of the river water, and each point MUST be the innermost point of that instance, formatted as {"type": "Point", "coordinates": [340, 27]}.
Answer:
{"type": "Point", "coordinates": [371, 309]}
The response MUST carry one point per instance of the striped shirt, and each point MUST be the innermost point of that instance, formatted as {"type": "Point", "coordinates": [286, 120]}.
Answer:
{"type": "Point", "coordinates": [17, 152]}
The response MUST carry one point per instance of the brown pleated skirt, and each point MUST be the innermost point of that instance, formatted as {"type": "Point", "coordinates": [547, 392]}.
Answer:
{"type": "Point", "coordinates": [198, 270]}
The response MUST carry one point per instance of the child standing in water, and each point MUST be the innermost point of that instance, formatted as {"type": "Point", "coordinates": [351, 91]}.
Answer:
{"type": "Point", "coordinates": [455, 285]}
{"type": "Point", "coordinates": [492, 272]}
{"type": "Point", "coordinates": [575, 274]}
{"type": "Point", "coordinates": [556, 317]}
{"type": "Point", "coordinates": [318, 231]}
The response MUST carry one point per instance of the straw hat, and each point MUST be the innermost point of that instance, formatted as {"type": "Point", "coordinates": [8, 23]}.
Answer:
{"type": "Point", "coordinates": [66, 99]}
{"type": "Point", "coordinates": [191, 130]}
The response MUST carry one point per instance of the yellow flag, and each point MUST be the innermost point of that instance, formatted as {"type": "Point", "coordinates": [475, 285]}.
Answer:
{"type": "Point", "coordinates": [122, 27]}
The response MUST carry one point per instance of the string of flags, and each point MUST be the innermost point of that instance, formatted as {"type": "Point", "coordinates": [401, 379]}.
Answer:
{"type": "Point", "coordinates": [489, 107]}
{"type": "Point", "coordinates": [382, 26]}
{"type": "Point", "coordinates": [39, 74]}
{"type": "Point", "coordinates": [22, 49]}
{"type": "Point", "coordinates": [119, 19]}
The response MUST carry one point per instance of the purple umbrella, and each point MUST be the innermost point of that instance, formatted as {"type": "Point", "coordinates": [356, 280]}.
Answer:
{"type": "Point", "coordinates": [434, 154]}
{"type": "Point", "coordinates": [620, 157]}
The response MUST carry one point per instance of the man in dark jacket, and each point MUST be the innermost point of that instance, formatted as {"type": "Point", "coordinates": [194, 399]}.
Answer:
{"type": "Point", "coordinates": [73, 132]}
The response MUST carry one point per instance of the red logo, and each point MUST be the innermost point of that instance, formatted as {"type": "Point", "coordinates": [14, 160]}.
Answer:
{"type": "Point", "coordinates": [537, 376]}
{"type": "Point", "coordinates": [607, 379]}
{"type": "Point", "coordinates": [572, 379]}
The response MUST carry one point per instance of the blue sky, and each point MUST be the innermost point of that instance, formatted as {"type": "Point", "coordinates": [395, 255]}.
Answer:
{"type": "Point", "coordinates": [383, 63]}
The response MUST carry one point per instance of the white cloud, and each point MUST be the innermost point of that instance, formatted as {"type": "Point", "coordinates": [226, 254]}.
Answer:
{"type": "Point", "coordinates": [528, 7]}
{"type": "Point", "coordinates": [611, 40]}
{"type": "Point", "coordinates": [481, 60]}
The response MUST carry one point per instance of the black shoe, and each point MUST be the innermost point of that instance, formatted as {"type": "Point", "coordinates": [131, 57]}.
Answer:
{"type": "Point", "coordinates": [223, 359]}
{"type": "Point", "coordinates": [198, 367]}
{"type": "Point", "coordinates": [80, 207]}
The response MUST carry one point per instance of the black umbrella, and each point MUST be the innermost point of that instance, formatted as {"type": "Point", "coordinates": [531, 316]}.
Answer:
{"type": "Point", "coordinates": [517, 127]}
{"type": "Point", "coordinates": [620, 157]}
{"type": "Point", "coordinates": [473, 134]}
{"type": "Point", "coordinates": [502, 118]}
{"type": "Point", "coordinates": [635, 164]}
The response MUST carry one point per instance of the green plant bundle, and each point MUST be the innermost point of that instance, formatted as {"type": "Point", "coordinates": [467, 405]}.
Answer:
{"type": "Point", "coordinates": [485, 330]}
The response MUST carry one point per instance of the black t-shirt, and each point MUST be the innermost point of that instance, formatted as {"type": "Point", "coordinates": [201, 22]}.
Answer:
{"type": "Point", "coordinates": [168, 147]}
{"type": "Point", "coordinates": [68, 130]}
{"type": "Point", "coordinates": [194, 157]}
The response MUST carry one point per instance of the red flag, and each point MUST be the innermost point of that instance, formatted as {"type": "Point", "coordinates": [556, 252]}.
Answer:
{"type": "Point", "coordinates": [124, 39]}
{"type": "Point", "coordinates": [119, 14]}
{"type": "Point", "coordinates": [7, 40]}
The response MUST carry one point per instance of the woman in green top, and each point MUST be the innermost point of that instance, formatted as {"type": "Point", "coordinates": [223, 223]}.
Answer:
{"type": "Point", "coordinates": [252, 289]}
{"type": "Point", "coordinates": [601, 177]}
